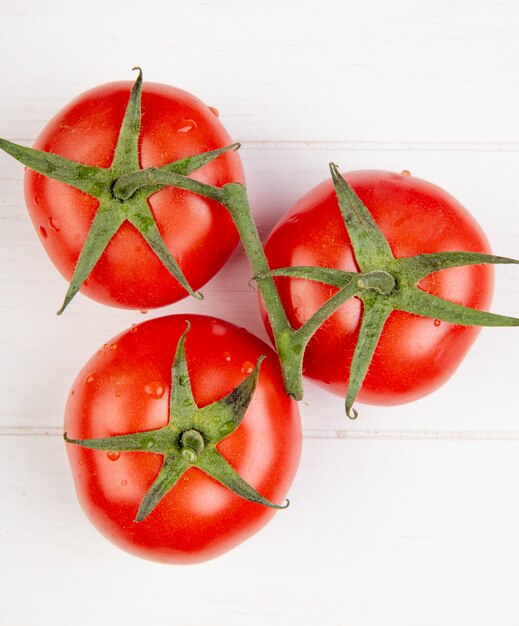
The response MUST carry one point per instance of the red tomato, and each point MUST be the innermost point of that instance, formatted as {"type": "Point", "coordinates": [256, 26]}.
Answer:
{"type": "Point", "coordinates": [125, 388]}
{"type": "Point", "coordinates": [415, 355]}
{"type": "Point", "coordinates": [198, 232]}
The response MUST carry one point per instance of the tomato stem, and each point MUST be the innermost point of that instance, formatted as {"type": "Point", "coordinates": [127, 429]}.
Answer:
{"type": "Point", "coordinates": [154, 178]}
{"type": "Point", "coordinates": [290, 348]}
{"type": "Point", "coordinates": [380, 281]}
{"type": "Point", "coordinates": [384, 283]}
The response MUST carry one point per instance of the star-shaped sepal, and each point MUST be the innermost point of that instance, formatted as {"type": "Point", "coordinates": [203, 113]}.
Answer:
{"type": "Point", "coordinates": [190, 438]}
{"type": "Point", "coordinates": [384, 284]}
{"type": "Point", "coordinates": [103, 183]}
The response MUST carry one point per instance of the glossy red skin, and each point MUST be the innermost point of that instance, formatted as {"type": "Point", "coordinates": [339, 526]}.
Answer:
{"type": "Point", "coordinates": [199, 232]}
{"type": "Point", "coordinates": [415, 355]}
{"type": "Point", "coordinates": [198, 519]}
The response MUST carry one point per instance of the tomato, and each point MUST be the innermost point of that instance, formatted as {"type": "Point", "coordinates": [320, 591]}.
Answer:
{"type": "Point", "coordinates": [125, 388]}
{"type": "Point", "coordinates": [197, 231]}
{"type": "Point", "coordinates": [415, 355]}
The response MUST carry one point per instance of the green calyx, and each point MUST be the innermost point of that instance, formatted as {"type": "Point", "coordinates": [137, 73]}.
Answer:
{"type": "Point", "coordinates": [190, 437]}
{"type": "Point", "coordinates": [104, 184]}
{"type": "Point", "coordinates": [385, 284]}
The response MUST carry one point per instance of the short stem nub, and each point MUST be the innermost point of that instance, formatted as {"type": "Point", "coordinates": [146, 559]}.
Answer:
{"type": "Point", "coordinates": [126, 186]}
{"type": "Point", "coordinates": [380, 281]}
{"type": "Point", "coordinates": [192, 443]}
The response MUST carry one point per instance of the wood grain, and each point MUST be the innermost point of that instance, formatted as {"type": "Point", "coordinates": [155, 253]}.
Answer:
{"type": "Point", "coordinates": [408, 516]}
{"type": "Point", "coordinates": [393, 532]}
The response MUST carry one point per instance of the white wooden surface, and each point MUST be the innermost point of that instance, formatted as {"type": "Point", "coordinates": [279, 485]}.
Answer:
{"type": "Point", "coordinates": [409, 516]}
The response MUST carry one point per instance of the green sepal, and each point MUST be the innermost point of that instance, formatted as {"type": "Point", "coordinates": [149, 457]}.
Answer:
{"type": "Point", "coordinates": [376, 311]}
{"type": "Point", "coordinates": [172, 469]}
{"type": "Point", "coordinates": [306, 331]}
{"type": "Point", "coordinates": [223, 417]}
{"type": "Point", "coordinates": [182, 405]}
{"type": "Point", "coordinates": [107, 221]}
{"type": "Point", "coordinates": [213, 463]}
{"type": "Point", "coordinates": [126, 155]}
{"type": "Point", "coordinates": [95, 181]}
{"type": "Point", "coordinates": [371, 248]}
{"type": "Point", "coordinates": [142, 218]}
{"type": "Point", "coordinates": [414, 268]}
{"type": "Point", "coordinates": [158, 441]}
{"type": "Point", "coordinates": [325, 275]}
{"type": "Point", "coordinates": [419, 302]}
{"type": "Point", "coordinates": [190, 164]}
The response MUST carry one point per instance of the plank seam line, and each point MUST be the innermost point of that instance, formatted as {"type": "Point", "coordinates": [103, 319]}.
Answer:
{"type": "Point", "coordinates": [368, 146]}
{"type": "Point", "coordinates": [432, 435]}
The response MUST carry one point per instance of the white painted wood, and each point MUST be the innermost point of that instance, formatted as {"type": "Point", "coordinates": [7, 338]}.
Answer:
{"type": "Point", "coordinates": [397, 533]}
{"type": "Point", "coordinates": [408, 516]}
{"type": "Point", "coordinates": [296, 69]}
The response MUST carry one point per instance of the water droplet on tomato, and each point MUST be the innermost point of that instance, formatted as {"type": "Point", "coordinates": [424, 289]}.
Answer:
{"type": "Point", "coordinates": [90, 378]}
{"type": "Point", "coordinates": [186, 126]}
{"type": "Point", "coordinates": [134, 328]}
{"type": "Point", "coordinates": [144, 311]}
{"type": "Point", "coordinates": [247, 367]}
{"type": "Point", "coordinates": [219, 330]}
{"type": "Point", "coordinates": [294, 219]}
{"type": "Point", "coordinates": [36, 198]}
{"type": "Point", "coordinates": [118, 393]}
{"type": "Point", "coordinates": [54, 224]}
{"type": "Point", "coordinates": [124, 482]}
{"type": "Point", "coordinates": [214, 111]}
{"type": "Point", "coordinates": [437, 322]}
{"type": "Point", "coordinates": [227, 357]}
{"type": "Point", "coordinates": [113, 455]}
{"type": "Point", "coordinates": [155, 389]}
{"type": "Point", "coordinates": [297, 301]}
{"type": "Point", "coordinates": [43, 233]}
{"type": "Point", "coordinates": [72, 392]}
{"type": "Point", "coordinates": [113, 346]}
{"type": "Point", "coordinates": [405, 173]}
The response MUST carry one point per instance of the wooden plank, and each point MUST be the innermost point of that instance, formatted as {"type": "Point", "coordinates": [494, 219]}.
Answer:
{"type": "Point", "coordinates": [408, 516]}
{"type": "Point", "coordinates": [397, 533]}
{"type": "Point", "coordinates": [279, 70]}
